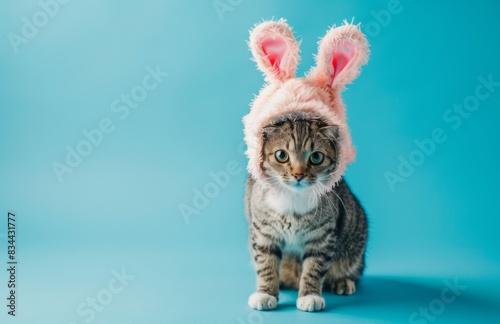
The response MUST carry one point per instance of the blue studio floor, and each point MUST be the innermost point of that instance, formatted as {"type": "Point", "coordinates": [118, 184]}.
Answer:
{"type": "Point", "coordinates": [202, 287]}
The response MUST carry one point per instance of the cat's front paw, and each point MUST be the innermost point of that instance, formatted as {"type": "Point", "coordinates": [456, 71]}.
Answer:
{"type": "Point", "coordinates": [262, 301]}
{"type": "Point", "coordinates": [310, 303]}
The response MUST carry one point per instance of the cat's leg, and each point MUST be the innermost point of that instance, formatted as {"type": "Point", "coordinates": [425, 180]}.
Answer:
{"type": "Point", "coordinates": [314, 267]}
{"type": "Point", "coordinates": [342, 276]}
{"type": "Point", "coordinates": [290, 270]}
{"type": "Point", "coordinates": [267, 256]}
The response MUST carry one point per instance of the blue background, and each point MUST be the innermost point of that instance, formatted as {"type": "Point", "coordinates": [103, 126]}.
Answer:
{"type": "Point", "coordinates": [120, 209]}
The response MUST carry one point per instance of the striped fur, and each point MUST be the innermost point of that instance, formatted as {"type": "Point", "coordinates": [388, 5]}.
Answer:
{"type": "Point", "coordinates": [318, 242]}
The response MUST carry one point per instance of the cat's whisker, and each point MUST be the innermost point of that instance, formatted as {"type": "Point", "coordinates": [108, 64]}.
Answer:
{"type": "Point", "coordinates": [318, 206]}
{"type": "Point", "coordinates": [330, 201]}
{"type": "Point", "coordinates": [343, 204]}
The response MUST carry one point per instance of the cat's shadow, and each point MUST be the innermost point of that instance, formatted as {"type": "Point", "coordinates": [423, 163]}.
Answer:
{"type": "Point", "coordinates": [402, 296]}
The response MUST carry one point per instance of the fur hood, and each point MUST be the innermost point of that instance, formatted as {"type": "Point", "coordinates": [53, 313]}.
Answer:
{"type": "Point", "coordinates": [342, 51]}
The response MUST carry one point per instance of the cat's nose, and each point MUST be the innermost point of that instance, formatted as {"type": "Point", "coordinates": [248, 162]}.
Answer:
{"type": "Point", "coordinates": [299, 176]}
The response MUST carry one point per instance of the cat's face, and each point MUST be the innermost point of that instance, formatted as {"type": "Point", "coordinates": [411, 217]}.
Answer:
{"type": "Point", "coordinates": [299, 154]}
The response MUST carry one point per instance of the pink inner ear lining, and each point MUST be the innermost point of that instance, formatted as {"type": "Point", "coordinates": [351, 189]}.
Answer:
{"type": "Point", "coordinates": [274, 49]}
{"type": "Point", "coordinates": [343, 52]}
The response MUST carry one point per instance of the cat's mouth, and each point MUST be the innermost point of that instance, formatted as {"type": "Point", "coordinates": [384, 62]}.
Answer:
{"type": "Point", "coordinates": [299, 185]}
{"type": "Point", "coordinates": [294, 185]}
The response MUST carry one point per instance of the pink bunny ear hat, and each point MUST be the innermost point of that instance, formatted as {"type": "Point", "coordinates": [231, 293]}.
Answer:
{"type": "Point", "coordinates": [342, 51]}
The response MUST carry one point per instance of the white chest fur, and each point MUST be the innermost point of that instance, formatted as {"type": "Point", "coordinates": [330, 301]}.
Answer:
{"type": "Point", "coordinates": [292, 203]}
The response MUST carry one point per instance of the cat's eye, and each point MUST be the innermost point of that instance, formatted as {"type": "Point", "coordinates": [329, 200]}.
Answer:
{"type": "Point", "coordinates": [281, 156]}
{"type": "Point", "coordinates": [316, 158]}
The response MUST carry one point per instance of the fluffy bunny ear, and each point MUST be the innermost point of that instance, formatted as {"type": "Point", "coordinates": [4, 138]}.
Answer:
{"type": "Point", "coordinates": [341, 53]}
{"type": "Point", "coordinates": [275, 50]}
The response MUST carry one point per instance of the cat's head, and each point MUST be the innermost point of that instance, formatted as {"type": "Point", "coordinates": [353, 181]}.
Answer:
{"type": "Point", "coordinates": [299, 152]}
{"type": "Point", "coordinates": [342, 51]}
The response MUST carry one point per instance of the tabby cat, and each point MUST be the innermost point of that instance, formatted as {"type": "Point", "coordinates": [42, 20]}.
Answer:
{"type": "Point", "coordinates": [307, 229]}
{"type": "Point", "coordinates": [301, 237]}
